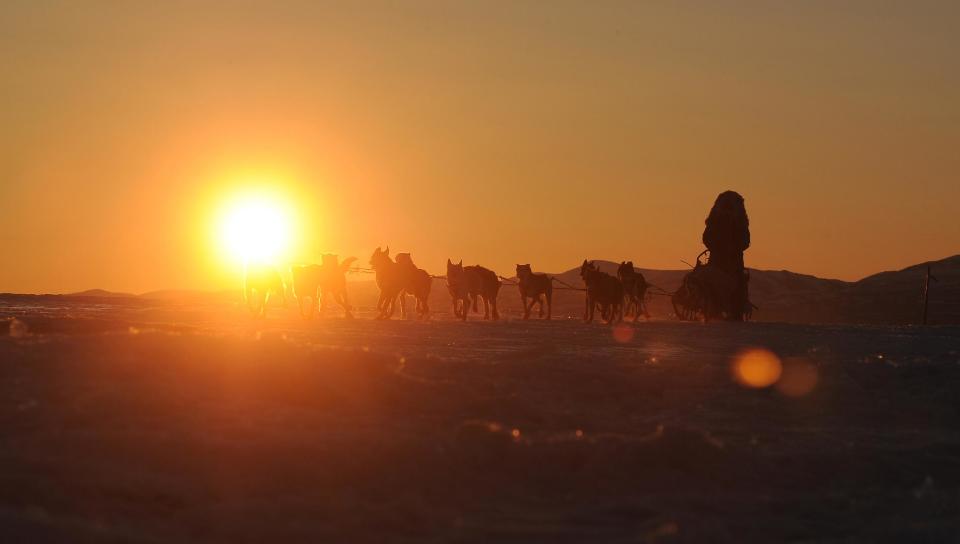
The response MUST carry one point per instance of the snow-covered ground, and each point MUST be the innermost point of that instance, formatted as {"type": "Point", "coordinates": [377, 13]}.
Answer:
{"type": "Point", "coordinates": [139, 423]}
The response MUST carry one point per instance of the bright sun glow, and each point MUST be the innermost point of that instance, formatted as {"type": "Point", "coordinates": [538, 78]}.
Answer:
{"type": "Point", "coordinates": [256, 228]}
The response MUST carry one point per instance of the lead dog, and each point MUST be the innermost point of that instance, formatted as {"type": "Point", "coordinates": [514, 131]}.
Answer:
{"type": "Point", "coordinates": [535, 287]}
{"type": "Point", "coordinates": [260, 283]}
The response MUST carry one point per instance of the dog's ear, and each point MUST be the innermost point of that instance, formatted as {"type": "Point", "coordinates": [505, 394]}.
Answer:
{"type": "Point", "coordinates": [376, 251]}
{"type": "Point", "coordinates": [460, 263]}
{"type": "Point", "coordinates": [387, 252]}
{"type": "Point", "coordinates": [448, 262]}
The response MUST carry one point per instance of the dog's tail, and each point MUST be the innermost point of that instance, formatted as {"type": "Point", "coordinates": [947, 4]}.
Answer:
{"type": "Point", "coordinates": [345, 265]}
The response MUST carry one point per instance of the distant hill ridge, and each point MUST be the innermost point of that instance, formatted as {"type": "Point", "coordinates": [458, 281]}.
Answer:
{"type": "Point", "coordinates": [99, 293]}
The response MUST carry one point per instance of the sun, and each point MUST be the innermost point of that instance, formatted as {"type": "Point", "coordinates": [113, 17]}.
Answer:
{"type": "Point", "coordinates": [256, 228]}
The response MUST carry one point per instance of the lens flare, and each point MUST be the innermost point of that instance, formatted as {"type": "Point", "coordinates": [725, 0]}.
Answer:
{"type": "Point", "coordinates": [623, 333]}
{"type": "Point", "coordinates": [756, 368]}
{"type": "Point", "coordinates": [799, 377]}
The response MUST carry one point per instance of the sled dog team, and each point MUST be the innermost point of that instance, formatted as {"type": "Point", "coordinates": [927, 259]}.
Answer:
{"type": "Point", "coordinates": [398, 277]}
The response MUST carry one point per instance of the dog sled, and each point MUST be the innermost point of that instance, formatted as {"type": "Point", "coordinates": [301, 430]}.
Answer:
{"type": "Point", "coordinates": [709, 292]}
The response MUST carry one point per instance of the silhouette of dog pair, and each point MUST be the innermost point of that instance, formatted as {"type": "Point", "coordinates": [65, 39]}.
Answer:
{"type": "Point", "coordinates": [312, 282]}
{"type": "Point", "coordinates": [603, 290]}
{"type": "Point", "coordinates": [469, 283]}
{"type": "Point", "coordinates": [399, 278]}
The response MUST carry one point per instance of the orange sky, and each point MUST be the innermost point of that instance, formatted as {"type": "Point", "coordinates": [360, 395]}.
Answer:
{"type": "Point", "coordinates": [496, 132]}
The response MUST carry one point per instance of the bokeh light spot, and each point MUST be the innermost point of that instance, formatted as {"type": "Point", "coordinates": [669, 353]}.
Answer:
{"type": "Point", "coordinates": [623, 333]}
{"type": "Point", "coordinates": [799, 377]}
{"type": "Point", "coordinates": [756, 367]}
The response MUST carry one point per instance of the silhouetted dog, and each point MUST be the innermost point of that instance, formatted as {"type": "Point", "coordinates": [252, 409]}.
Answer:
{"type": "Point", "coordinates": [473, 282]}
{"type": "Point", "coordinates": [634, 290]}
{"type": "Point", "coordinates": [260, 282]}
{"type": "Point", "coordinates": [333, 280]}
{"type": "Point", "coordinates": [416, 282]}
{"type": "Point", "coordinates": [390, 281]}
{"type": "Point", "coordinates": [306, 288]}
{"type": "Point", "coordinates": [459, 289]}
{"type": "Point", "coordinates": [535, 287]}
{"type": "Point", "coordinates": [311, 284]}
{"type": "Point", "coordinates": [603, 290]}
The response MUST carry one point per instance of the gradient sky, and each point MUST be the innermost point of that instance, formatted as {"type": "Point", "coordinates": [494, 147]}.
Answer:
{"type": "Point", "coordinates": [496, 132]}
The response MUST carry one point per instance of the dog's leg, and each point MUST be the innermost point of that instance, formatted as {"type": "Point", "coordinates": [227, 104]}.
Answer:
{"type": "Point", "coordinates": [549, 297]}
{"type": "Point", "coordinates": [389, 303]}
{"type": "Point", "coordinates": [393, 305]}
{"type": "Point", "coordinates": [382, 305]}
{"type": "Point", "coordinates": [345, 302]}
{"type": "Point", "coordinates": [347, 308]}
{"type": "Point", "coordinates": [528, 307]}
{"type": "Point", "coordinates": [248, 298]}
{"type": "Point", "coordinates": [496, 313]}
{"type": "Point", "coordinates": [262, 311]}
